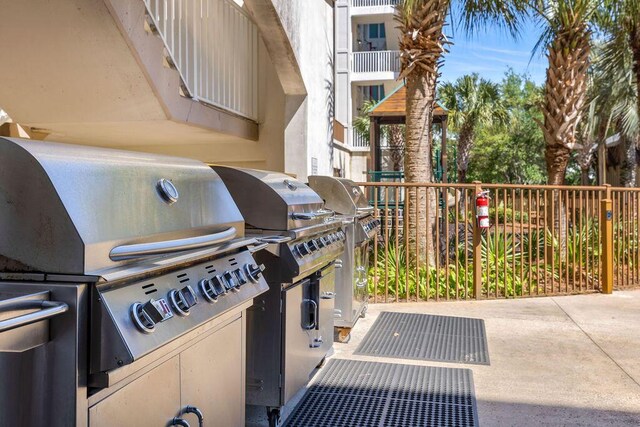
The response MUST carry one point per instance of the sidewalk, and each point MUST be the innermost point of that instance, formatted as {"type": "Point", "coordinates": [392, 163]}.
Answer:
{"type": "Point", "coordinates": [559, 361]}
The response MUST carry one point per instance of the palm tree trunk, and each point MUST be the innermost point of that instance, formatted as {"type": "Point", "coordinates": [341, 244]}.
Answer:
{"type": "Point", "coordinates": [584, 176]}
{"type": "Point", "coordinates": [417, 161]}
{"type": "Point", "coordinates": [465, 142]}
{"type": "Point", "coordinates": [565, 94]}
{"type": "Point", "coordinates": [629, 163]}
{"type": "Point", "coordinates": [396, 143]}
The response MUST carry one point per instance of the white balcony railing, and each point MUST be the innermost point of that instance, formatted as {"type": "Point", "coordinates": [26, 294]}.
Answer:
{"type": "Point", "coordinates": [377, 61]}
{"type": "Point", "coordinates": [359, 140]}
{"type": "Point", "coordinates": [214, 46]}
{"type": "Point", "coordinates": [373, 3]}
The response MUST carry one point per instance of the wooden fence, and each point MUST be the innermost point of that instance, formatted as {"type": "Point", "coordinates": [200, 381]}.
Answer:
{"type": "Point", "coordinates": [543, 240]}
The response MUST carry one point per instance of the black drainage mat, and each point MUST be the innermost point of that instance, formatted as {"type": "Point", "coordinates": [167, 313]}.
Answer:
{"type": "Point", "coordinates": [371, 394]}
{"type": "Point", "coordinates": [427, 337]}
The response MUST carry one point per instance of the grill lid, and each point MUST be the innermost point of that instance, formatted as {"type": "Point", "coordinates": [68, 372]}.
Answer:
{"type": "Point", "coordinates": [341, 195]}
{"type": "Point", "coordinates": [79, 210]}
{"type": "Point", "coordinates": [272, 200]}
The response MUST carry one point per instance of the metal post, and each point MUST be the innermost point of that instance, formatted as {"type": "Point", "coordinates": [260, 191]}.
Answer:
{"type": "Point", "coordinates": [606, 231]}
{"type": "Point", "coordinates": [477, 248]}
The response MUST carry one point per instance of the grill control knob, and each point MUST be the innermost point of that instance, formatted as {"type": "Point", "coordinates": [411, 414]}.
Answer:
{"type": "Point", "coordinates": [146, 316]}
{"type": "Point", "coordinates": [303, 249]}
{"type": "Point", "coordinates": [212, 288]}
{"type": "Point", "coordinates": [313, 245]}
{"type": "Point", "coordinates": [254, 271]}
{"type": "Point", "coordinates": [182, 300]}
{"type": "Point", "coordinates": [230, 281]}
{"type": "Point", "coordinates": [241, 277]}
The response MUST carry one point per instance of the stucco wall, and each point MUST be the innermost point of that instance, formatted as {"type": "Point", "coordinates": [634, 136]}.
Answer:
{"type": "Point", "coordinates": [308, 136]}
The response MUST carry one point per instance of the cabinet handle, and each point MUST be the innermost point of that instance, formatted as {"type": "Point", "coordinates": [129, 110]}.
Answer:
{"type": "Point", "coordinates": [198, 413]}
{"type": "Point", "coordinates": [311, 313]}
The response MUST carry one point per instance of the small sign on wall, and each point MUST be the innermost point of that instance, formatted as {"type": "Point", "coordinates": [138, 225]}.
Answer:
{"type": "Point", "coordinates": [314, 166]}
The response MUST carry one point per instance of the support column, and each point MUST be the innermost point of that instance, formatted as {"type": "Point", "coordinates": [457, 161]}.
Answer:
{"type": "Point", "coordinates": [606, 231]}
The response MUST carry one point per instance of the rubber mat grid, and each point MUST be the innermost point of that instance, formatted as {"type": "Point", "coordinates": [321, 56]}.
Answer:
{"type": "Point", "coordinates": [372, 394]}
{"type": "Point", "coordinates": [427, 337]}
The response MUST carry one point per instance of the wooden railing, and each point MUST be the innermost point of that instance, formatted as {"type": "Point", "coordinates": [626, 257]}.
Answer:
{"type": "Point", "coordinates": [543, 240]}
{"type": "Point", "coordinates": [376, 61]}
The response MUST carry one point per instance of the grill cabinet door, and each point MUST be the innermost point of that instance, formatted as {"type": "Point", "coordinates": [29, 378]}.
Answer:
{"type": "Point", "coordinates": [151, 400]}
{"type": "Point", "coordinates": [212, 377]}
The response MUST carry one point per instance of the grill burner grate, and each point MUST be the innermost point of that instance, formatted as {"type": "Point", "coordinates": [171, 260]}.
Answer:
{"type": "Point", "coordinates": [427, 337]}
{"type": "Point", "coordinates": [368, 394]}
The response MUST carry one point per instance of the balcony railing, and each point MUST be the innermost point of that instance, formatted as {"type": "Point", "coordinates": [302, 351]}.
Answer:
{"type": "Point", "coordinates": [373, 3]}
{"type": "Point", "coordinates": [214, 46]}
{"type": "Point", "coordinates": [359, 141]}
{"type": "Point", "coordinates": [377, 61]}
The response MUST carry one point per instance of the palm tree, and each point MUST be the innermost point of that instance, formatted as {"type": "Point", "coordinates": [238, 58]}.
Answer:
{"type": "Point", "coordinates": [621, 20]}
{"type": "Point", "coordinates": [567, 39]}
{"type": "Point", "coordinates": [472, 102]}
{"type": "Point", "coordinates": [422, 44]}
{"type": "Point", "coordinates": [619, 69]}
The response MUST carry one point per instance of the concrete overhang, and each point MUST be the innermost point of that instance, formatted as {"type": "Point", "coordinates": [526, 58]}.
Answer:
{"type": "Point", "coordinates": [268, 16]}
{"type": "Point", "coordinates": [88, 71]}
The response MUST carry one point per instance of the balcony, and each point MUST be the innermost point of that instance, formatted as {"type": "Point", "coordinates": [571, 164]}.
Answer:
{"type": "Point", "coordinates": [373, 7]}
{"type": "Point", "coordinates": [375, 65]}
{"type": "Point", "coordinates": [214, 46]}
{"type": "Point", "coordinates": [359, 141]}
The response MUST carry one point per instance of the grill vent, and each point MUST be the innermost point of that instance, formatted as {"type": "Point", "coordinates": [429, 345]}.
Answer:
{"type": "Point", "coordinates": [149, 289]}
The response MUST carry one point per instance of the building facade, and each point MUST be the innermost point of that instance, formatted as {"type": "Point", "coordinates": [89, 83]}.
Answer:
{"type": "Point", "coordinates": [245, 83]}
{"type": "Point", "coordinates": [367, 64]}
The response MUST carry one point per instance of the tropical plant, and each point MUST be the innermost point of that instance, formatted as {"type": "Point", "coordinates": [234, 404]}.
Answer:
{"type": "Point", "coordinates": [513, 153]}
{"type": "Point", "coordinates": [362, 123]}
{"type": "Point", "coordinates": [566, 37]}
{"type": "Point", "coordinates": [472, 102]}
{"type": "Point", "coordinates": [422, 44]}
{"type": "Point", "coordinates": [614, 93]}
{"type": "Point", "coordinates": [621, 20]}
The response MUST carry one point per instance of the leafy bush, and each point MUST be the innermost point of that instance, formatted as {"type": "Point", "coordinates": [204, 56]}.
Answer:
{"type": "Point", "coordinates": [507, 213]}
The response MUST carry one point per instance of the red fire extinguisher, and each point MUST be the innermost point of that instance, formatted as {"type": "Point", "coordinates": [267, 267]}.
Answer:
{"type": "Point", "coordinates": [482, 209]}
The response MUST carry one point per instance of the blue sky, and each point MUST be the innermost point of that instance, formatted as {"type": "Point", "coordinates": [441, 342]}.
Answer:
{"type": "Point", "coordinates": [491, 52]}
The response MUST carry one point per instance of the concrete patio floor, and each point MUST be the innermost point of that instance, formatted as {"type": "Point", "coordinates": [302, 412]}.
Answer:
{"type": "Point", "coordinates": [559, 361]}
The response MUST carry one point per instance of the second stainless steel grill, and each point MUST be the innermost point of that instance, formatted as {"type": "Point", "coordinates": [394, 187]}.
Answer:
{"type": "Point", "coordinates": [290, 328]}
{"type": "Point", "coordinates": [347, 199]}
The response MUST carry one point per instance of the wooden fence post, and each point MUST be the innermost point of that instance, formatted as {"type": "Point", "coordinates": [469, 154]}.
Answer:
{"type": "Point", "coordinates": [477, 247]}
{"type": "Point", "coordinates": [606, 231]}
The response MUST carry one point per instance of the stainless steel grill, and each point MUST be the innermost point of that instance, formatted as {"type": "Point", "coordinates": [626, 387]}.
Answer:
{"type": "Point", "coordinates": [347, 199]}
{"type": "Point", "coordinates": [124, 283]}
{"type": "Point", "coordinates": [290, 328]}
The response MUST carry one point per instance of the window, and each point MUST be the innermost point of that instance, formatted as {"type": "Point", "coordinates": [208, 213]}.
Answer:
{"type": "Point", "coordinates": [373, 31]}
{"type": "Point", "coordinates": [376, 31]}
{"type": "Point", "coordinates": [376, 93]}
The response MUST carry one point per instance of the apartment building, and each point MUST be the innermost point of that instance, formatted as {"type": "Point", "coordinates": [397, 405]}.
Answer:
{"type": "Point", "coordinates": [367, 64]}
{"type": "Point", "coordinates": [237, 82]}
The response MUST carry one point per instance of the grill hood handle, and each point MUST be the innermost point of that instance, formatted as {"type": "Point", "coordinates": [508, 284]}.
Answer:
{"type": "Point", "coordinates": [307, 216]}
{"type": "Point", "coordinates": [168, 246]}
{"type": "Point", "coordinates": [368, 209]}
